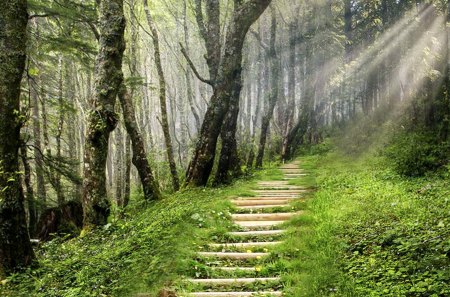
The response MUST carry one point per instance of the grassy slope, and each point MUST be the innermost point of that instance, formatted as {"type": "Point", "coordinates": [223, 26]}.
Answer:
{"type": "Point", "coordinates": [142, 253]}
{"type": "Point", "coordinates": [374, 233]}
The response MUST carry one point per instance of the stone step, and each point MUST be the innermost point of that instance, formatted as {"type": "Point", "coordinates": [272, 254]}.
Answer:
{"type": "Point", "coordinates": [252, 225]}
{"type": "Point", "coordinates": [263, 216]}
{"type": "Point", "coordinates": [256, 207]}
{"type": "Point", "coordinates": [257, 233]}
{"type": "Point", "coordinates": [233, 256]}
{"type": "Point", "coordinates": [234, 294]}
{"type": "Point", "coordinates": [244, 244]}
{"type": "Point", "coordinates": [259, 202]}
{"type": "Point", "coordinates": [232, 281]}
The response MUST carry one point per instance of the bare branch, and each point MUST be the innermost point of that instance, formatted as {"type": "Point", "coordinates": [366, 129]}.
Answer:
{"type": "Point", "coordinates": [261, 42]}
{"type": "Point", "coordinates": [199, 18]}
{"type": "Point", "coordinates": [191, 64]}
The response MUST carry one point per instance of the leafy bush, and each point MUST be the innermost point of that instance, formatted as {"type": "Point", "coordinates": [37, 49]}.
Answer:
{"type": "Point", "coordinates": [415, 154]}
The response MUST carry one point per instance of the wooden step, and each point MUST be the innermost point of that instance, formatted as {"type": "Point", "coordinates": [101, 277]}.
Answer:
{"type": "Point", "coordinates": [288, 191]}
{"type": "Point", "coordinates": [235, 268]}
{"type": "Point", "coordinates": [253, 202]}
{"type": "Point", "coordinates": [279, 188]}
{"type": "Point", "coordinates": [278, 182]}
{"type": "Point", "coordinates": [285, 197]}
{"type": "Point", "coordinates": [234, 294]}
{"type": "Point", "coordinates": [263, 216]}
{"type": "Point", "coordinates": [292, 174]}
{"type": "Point", "coordinates": [257, 233]}
{"type": "Point", "coordinates": [234, 256]}
{"type": "Point", "coordinates": [252, 225]}
{"type": "Point", "coordinates": [256, 207]}
{"type": "Point", "coordinates": [244, 244]}
{"type": "Point", "coordinates": [232, 281]}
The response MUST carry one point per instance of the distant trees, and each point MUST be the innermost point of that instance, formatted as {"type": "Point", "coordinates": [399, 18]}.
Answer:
{"type": "Point", "coordinates": [15, 246]}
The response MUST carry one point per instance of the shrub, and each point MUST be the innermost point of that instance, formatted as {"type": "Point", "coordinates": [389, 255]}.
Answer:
{"type": "Point", "coordinates": [415, 154]}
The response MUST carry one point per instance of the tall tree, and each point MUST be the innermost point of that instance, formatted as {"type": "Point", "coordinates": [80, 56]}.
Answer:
{"type": "Point", "coordinates": [15, 246]}
{"type": "Point", "coordinates": [163, 99]}
{"type": "Point", "coordinates": [273, 94]}
{"type": "Point", "coordinates": [102, 118]}
{"type": "Point", "coordinates": [228, 78]}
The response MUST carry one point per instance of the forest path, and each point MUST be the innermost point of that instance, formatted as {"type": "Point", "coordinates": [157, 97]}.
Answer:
{"type": "Point", "coordinates": [241, 262]}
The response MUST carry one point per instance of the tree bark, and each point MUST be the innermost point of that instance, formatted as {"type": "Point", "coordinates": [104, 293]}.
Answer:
{"type": "Point", "coordinates": [102, 118]}
{"type": "Point", "coordinates": [119, 166]}
{"type": "Point", "coordinates": [229, 163]}
{"type": "Point", "coordinates": [273, 94]}
{"type": "Point", "coordinates": [230, 70]}
{"type": "Point", "coordinates": [32, 214]}
{"type": "Point", "coordinates": [163, 100]}
{"type": "Point", "coordinates": [126, 195]}
{"type": "Point", "coordinates": [38, 152]}
{"type": "Point", "coordinates": [56, 176]}
{"type": "Point", "coordinates": [291, 87]}
{"type": "Point", "coordinates": [15, 246]}
{"type": "Point", "coordinates": [149, 185]}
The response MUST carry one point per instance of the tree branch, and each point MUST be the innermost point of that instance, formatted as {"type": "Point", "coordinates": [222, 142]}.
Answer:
{"type": "Point", "coordinates": [199, 18]}
{"type": "Point", "coordinates": [261, 42]}
{"type": "Point", "coordinates": [194, 69]}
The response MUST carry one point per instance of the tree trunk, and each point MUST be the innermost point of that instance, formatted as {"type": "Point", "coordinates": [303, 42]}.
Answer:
{"type": "Point", "coordinates": [126, 195]}
{"type": "Point", "coordinates": [230, 69]}
{"type": "Point", "coordinates": [15, 246]}
{"type": "Point", "coordinates": [229, 163]}
{"type": "Point", "coordinates": [32, 214]}
{"type": "Point", "coordinates": [163, 101]}
{"type": "Point", "coordinates": [38, 152]}
{"type": "Point", "coordinates": [291, 88]}
{"type": "Point", "coordinates": [189, 92]}
{"type": "Point", "coordinates": [103, 119]}
{"type": "Point", "coordinates": [149, 185]}
{"type": "Point", "coordinates": [273, 94]}
{"type": "Point", "coordinates": [119, 166]}
{"type": "Point", "coordinates": [56, 176]}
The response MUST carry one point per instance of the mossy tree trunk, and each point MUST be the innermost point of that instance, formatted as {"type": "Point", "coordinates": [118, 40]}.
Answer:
{"type": "Point", "coordinates": [15, 246]}
{"type": "Point", "coordinates": [149, 185]}
{"type": "Point", "coordinates": [228, 77]}
{"type": "Point", "coordinates": [102, 119]}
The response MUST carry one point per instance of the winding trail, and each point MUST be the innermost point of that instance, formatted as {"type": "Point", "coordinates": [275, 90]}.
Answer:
{"type": "Point", "coordinates": [259, 226]}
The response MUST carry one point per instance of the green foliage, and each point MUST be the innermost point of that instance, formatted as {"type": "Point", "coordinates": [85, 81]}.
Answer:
{"type": "Point", "coordinates": [376, 233]}
{"type": "Point", "coordinates": [414, 154]}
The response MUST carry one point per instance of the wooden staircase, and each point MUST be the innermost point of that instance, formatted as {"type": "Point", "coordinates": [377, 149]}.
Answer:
{"type": "Point", "coordinates": [276, 195]}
